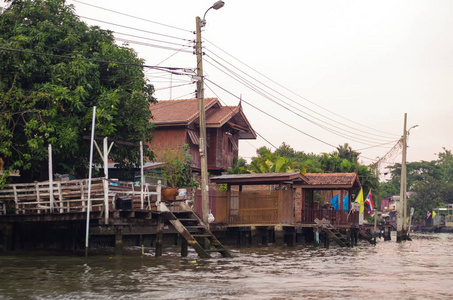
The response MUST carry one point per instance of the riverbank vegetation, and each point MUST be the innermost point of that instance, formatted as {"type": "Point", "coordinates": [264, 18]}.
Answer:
{"type": "Point", "coordinates": [431, 183]}
{"type": "Point", "coordinates": [286, 159]}
{"type": "Point", "coordinates": [54, 68]}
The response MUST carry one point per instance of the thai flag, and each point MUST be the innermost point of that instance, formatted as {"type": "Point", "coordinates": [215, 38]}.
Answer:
{"type": "Point", "coordinates": [369, 201]}
{"type": "Point", "coordinates": [428, 214]}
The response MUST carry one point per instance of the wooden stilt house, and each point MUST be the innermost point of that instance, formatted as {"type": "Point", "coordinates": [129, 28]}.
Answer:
{"type": "Point", "coordinates": [285, 198]}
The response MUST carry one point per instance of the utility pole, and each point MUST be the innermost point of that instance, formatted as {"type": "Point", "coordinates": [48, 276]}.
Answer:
{"type": "Point", "coordinates": [202, 124]}
{"type": "Point", "coordinates": [402, 207]}
{"type": "Point", "coordinates": [202, 114]}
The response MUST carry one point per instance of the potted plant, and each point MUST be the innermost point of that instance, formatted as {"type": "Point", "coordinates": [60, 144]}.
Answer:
{"type": "Point", "coordinates": [177, 171]}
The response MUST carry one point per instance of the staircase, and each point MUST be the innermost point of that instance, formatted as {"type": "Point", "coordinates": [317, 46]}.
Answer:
{"type": "Point", "coordinates": [194, 231]}
{"type": "Point", "coordinates": [332, 232]}
{"type": "Point", "coordinates": [366, 236]}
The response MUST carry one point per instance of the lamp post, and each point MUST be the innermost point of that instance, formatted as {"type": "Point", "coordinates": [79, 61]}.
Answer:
{"type": "Point", "coordinates": [202, 114]}
{"type": "Point", "coordinates": [402, 207]}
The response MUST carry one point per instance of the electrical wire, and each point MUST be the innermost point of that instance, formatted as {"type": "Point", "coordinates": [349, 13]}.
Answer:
{"type": "Point", "coordinates": [312, 102]}
{"type": "Point", "coordinates": [152, 45]}
{"type": "Point", "coordinates": [138, 18]}
{"type": "Point", "coordinates": [166, 69]}
{"type": "Point", "coordinates": [149, 39]}
{"type": "Point", "coordinates": [301, 116]}
{"type": "Point", "coordinates": [136, 29]}
{"type": "Point", "coordinates": [299, 104]}
{"type": "Point", "coordinates": [232, 110]}
{"type": "Point", "coordinates": [269, 115]}
{"type": "Point", "coordinates": [174, 86]}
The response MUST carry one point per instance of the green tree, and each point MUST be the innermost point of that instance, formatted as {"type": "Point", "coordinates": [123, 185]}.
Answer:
{"type": "Point", "coordinates": [270, 162]}
{"type": "Point", "coordinates": [239, 166]}
{"type": "Point", "coordinates": [431, 182]}
{"type": "Point", "coordinates": [53, 70]}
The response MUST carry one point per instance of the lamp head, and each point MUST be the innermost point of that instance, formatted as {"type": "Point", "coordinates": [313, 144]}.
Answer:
{"type": "Point", "coordinates": [218, 5]}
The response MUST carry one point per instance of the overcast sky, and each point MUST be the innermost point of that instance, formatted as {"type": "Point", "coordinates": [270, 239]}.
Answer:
{"type": "Point", "coordinates": [330, 72]}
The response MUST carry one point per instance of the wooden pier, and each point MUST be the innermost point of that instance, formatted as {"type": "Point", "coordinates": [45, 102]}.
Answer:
{"type": "Point", "coordinates": [54, 215]}
{"type": "Point", "coordinates": [43, 215]}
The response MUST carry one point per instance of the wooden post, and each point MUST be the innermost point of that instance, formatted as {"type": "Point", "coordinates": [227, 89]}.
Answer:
{"type": "Point", "coordinates": [290, 237]}
{"type": "Point", "coordinates": [159, 194]}
{"type": "Point", "coordinates": [264, 236]}
{"type": "Point", "coordinates": [159, 235]}
{"type": "Point", "coordinates": [16, 199]}
{"type": "Point", "coordinates": [38, 197]}
{"type": "Point", "coordinates": [119, 240]}
{"type": "Point", "coordinates": [228, 204]}
{"type": "Point", "coordinates": [326, 240]}
{"type": "Point", "coordinates": [298, 204]}
{"type": "Point", "coordinates": [279, 234]}
{"type": "Point", "coordinates": [184, 247]}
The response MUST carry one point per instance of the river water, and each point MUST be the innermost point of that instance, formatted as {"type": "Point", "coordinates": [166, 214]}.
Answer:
{"type": "Point", "coordinates": [420, 269]}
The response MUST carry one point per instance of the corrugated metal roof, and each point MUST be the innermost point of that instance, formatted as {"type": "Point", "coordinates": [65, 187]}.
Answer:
{"type": "Point", "coordinates": [259, 178]}
{"type": "Point", "coordinates": [331, 178]}
{"type": "Point", "coordinates": [308, 180]}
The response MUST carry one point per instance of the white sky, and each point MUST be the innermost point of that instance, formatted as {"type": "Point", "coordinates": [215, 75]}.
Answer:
{"type": "Point", "coordinates": [367, 61]}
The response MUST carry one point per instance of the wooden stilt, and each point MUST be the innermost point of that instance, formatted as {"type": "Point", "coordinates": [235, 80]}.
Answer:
{"type": "Point", "coordinates": [159, 235]}
{"type": "Point", "coordinates": [184, 247]}
{"type": "Point", "coordinates": [119, 240]}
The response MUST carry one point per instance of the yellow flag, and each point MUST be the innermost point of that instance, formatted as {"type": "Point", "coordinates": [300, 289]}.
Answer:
{"type": "Point", "coordinates": [407, 221]}
{"type": "Point", "coordinates": [434, 214]}
{"type": "Point", "coordinates": [359, 199]}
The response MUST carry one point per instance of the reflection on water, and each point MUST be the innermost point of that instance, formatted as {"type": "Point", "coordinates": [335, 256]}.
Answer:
{"type": "Point", "coordinates": [409, 270]}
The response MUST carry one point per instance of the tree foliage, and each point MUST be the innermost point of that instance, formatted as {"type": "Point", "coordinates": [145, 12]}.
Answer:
{"type": "Point", "coordinates": [431, 182]}
{"type": "Point", "coordinates": [286, 159]}
{"type": "Point", "coordinates": [53, 70]}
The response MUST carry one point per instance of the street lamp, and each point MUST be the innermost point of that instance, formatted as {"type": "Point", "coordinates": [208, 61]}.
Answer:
{"type": "Point", "coordinates": [202, 114]}
{"type": "Point", "coordinates": [216, 6]}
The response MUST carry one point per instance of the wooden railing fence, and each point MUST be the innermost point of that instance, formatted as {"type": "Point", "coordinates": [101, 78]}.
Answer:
{"type": "Point", "coordinates": [334, 217]}
{"type": "Point", "coordinates": [72, 196]}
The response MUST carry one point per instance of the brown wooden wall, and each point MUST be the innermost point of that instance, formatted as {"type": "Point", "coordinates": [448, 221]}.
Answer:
{"type": "Point", "coordinates": [167, 137]}
{"type": "Point", "coordinates": [255, 207]}
{"type": "Point", "coordinates": [219, 152]}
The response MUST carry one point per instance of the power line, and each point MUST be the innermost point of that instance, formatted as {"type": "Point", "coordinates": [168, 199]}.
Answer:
{"type": "Point", "coordinates": [166, 69]}
{"type": "Point", "coordinates": [136, 29]}
{"type": "Point", "coordinates": [251, 86]}
{"type": "Point", "coordinates": [295, 92]}
{"type": "Point", "coordinates": [293, 101]}
{"type": "Point", "coordinates": [269, 115]}
{"type": "Point", "coordinates": [151, 45]}
{"type": "Point", "coordinates": [149, 39]}
{"type": "Point", "coordinates": [174, 86]}
{"type": "Point", "coordinates": [138, 18]}
{"type": "Point", "coordinates": [231, 110]}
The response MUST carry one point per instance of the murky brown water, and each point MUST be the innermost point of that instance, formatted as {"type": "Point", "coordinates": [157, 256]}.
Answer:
{"type": "Point", "coordinates": [419, 269]}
